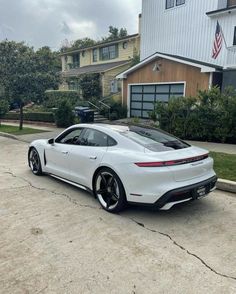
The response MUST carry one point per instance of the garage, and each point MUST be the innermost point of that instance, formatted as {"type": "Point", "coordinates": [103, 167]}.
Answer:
{"type": "Point", "coordinates": [143, 97]}
{"type": "Point", "coordinates": [162, 76]}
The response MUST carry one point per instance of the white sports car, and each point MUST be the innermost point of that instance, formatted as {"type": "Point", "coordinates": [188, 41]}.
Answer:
{"type": "Point", "coordinates": [123, 164]}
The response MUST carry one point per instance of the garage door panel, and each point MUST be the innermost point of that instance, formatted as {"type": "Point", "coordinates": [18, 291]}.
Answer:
{"type": "Point", "coordinates": [143, 97]}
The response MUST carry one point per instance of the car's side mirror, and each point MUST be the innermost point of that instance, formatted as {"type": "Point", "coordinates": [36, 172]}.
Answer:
{"type": "Point", "coordinates": [51, 141]}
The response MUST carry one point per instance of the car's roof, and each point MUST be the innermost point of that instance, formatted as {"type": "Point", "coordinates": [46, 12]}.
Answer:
{"type": "Point", "coordinates": [114, 127]}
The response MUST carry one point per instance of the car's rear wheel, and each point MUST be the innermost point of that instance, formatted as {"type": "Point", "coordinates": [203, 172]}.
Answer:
{"type": "Point", "coordinates": [109, 190]}
{"type": "Point", "coordinates": [34, 162]}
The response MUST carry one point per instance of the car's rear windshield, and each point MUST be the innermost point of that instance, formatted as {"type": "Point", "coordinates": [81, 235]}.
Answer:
{"type": "Point", "coordinates": [154, 139]}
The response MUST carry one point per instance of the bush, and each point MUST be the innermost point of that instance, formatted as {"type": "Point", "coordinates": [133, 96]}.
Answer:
{"type": "Point", "coordinates": [32, 116]}
{"type": "Point", "coordinates": [64, 115]}
{"type": "Point", "coordinates": [117, 111]}
{"type": "Point", "coordinates": [209, 117]}
{"type": "Point", "coordinates": [54, 98]}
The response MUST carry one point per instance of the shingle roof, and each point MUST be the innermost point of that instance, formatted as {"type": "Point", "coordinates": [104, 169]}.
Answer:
{"type": "Point", "coordinates": [98, 68]}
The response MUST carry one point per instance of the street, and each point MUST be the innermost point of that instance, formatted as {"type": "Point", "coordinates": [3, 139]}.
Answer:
{"type": "Point", "coordinates": [55, 238]}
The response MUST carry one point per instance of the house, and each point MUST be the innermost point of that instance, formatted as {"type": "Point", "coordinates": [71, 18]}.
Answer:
{"type": "Point", "coordinates": [105, 58]}
{"type": "Point", "coordinates": [177, 38]}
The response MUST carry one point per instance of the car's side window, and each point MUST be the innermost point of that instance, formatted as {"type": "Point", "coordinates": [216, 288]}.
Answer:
{"type": "Point", "coordinates": [71, 137]}
{"type": "Point", "coordinates": [94, 138]}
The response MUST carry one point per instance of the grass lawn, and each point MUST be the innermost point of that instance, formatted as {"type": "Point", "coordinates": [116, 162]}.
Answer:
{"type": "Point", "coordinates": [225, 165]}
{"type": "Point", "coordinates": [14, 130]}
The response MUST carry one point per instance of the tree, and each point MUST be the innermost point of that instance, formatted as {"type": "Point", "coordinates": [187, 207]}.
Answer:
{"type": "Point", "coordinates": [83, 43]}
{"type": "Point", "coordinates": [115, 33]}
{"type": "Point", "coordinates": [4, 107]}
{"type": "Point", "coordinates": [25, 74]}
{"type": "Point", "coordinates": [90, 85]}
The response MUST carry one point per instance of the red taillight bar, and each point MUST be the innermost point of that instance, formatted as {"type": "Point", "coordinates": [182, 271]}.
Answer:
{"type": "Point", "coordinates": [172, 162]}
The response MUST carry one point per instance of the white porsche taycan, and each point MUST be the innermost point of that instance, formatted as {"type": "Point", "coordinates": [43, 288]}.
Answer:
{"type": "Point", "coordinates": [123, 164]}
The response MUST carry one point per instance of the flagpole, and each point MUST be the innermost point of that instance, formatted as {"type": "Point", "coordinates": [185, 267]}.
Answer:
{"type": "Point", "coordinates": [223, 37]}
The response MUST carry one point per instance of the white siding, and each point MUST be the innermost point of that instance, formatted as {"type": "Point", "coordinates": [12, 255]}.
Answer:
{"type": "Point", "coordinates": [185, 30]}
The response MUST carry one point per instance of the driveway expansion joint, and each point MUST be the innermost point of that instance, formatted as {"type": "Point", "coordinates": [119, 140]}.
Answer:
{"type": "Point", "coordinates": [184, 249]}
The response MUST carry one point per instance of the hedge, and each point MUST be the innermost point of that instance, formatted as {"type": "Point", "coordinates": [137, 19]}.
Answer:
{"type": "Point", "coordinates": [32, 116]}
{"type": "Point", "coordinates": [211, 116]}
{"type": "Point", "coordinates": [55, 97]}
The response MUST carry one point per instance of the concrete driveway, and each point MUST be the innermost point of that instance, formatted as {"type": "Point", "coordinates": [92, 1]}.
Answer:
{"type": "Point", "coordinates": [55, 238]}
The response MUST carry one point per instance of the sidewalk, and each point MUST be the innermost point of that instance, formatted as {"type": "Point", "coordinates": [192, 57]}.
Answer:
{"type": "Point", "coordinates": [53, 131]}
{"type": "Point", "coordinates": [216, 147]}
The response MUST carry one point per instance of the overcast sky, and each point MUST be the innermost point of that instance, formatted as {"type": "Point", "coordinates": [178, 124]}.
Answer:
{"type": "Point", "coordinates": [49, 22]}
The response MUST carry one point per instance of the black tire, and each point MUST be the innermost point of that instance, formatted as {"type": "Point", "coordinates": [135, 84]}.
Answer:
{"type": "Point", "coordinates": [34, 162]}
{"type": "Point", "coordinates": [109, 190]}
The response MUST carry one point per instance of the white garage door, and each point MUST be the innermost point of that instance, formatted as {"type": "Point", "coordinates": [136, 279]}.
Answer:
{"type": "Point", "coordinates": [143, 97]}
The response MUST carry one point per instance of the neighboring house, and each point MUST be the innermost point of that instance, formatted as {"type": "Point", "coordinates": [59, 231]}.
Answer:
{"type": "Point", "coordinates": [177, 38]}
{"type": "Point", "coordinates": [107, 59]}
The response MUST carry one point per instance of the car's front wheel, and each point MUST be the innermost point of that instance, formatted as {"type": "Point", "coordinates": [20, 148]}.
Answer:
{"type": "Point", "coordinates": [34, 162]}
{"type": "Point", "coordinates": [109, 190]}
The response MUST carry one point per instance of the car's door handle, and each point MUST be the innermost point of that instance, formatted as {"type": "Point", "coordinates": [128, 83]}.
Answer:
{"type": "Point", "coordinates": [65, 152]}
{"type": "Point", "coordinates": [93, 157]}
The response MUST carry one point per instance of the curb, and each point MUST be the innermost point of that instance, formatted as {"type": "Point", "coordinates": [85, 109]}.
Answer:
{"type": "Point", "coordinates": [227, 186]}
{"type": "Point", "coordinates": [6, 135]}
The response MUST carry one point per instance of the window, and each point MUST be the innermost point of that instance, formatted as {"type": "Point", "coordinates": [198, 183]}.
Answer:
{"type": "Point", "coordinates": [71, 137]}
{"type": "Point", "coordinates": [153, 139]}
{"type": "Point", "coordinates": [95, 55]}
{"type": "Point", "coordinates": [173, 3]}
{"type": "Point", "coordinates": [94, 138]}
{"type": "Point", "coordinates": [231, 3]}
{"type": "Point", "coordinates": [170, 4]}
{"type": "Point", "coordinates": [234, 41]}
{"type": "Point", "coordinates": [76, 61]}
{"type": "Point", "coordinates": [110, 52]}
{"type": "Point", "coordinates": [180, 2]}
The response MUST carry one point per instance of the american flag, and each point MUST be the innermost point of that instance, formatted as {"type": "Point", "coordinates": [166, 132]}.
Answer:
{"type": "Point", "coordinates": [217, 42]}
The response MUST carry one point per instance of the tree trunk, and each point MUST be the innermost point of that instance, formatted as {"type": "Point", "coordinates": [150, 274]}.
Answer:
{"type": "Point", "coordinates": [21, 116]}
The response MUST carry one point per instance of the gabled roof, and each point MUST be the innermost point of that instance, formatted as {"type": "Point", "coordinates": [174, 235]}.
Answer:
{"type": "Point", "coordinates": [221, 11]}
{"type": "Point", "coordinates": [98, 68]}
{"type": "Point", "coordinates": [205, 67]}
{"type": "Point", "coordinates": [100, 44]}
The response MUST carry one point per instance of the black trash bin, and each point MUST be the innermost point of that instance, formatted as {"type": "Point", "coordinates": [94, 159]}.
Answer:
{"type": "Point", "coordinates": [85, 114]}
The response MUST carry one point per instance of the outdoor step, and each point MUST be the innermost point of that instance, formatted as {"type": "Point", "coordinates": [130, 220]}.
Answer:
{"type": "Point", "coordinates": [100, 119]}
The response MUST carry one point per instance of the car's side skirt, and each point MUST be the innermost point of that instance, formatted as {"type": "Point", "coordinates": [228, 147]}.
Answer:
{"type": "Point", "coordinates": [72, 183]}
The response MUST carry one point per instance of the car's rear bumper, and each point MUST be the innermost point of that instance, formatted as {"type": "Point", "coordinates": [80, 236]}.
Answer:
{"type": "Point", "coordinates": [183, 194]}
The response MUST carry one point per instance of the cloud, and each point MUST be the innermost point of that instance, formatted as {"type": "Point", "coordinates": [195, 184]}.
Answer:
{"type": "Point", "coordinates": [48, 22]}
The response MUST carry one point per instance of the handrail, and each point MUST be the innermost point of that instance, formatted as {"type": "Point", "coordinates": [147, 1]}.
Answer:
{"type": "Point", "coordinates": [107, 106]}
{"type": "Point", "coordinates": [93, 105]}
{"type": "Point", "coordinates": [104, 104]}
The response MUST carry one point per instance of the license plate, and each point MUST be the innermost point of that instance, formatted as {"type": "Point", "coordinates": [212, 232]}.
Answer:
{"type": "Point", "coordinates": [201, 191]}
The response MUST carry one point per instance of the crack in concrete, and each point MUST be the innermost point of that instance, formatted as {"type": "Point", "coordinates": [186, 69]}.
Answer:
{"type": "Point", "coordinates": [184, 249]}
{"type": "Point", "coordinates": [133, 220]}
{"type": "Point", "coordinates": [51, 191]}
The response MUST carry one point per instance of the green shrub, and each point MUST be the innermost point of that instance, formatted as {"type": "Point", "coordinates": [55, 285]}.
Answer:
{"type": "Point", "coordinates": [54, 98]}
{"type": "Point", "coordinates": [211, 116]}
{"type": "Point", "coordinates": [117, 111]}
{"type": "Point", "coordinates": [64, 115]}
{"type": "Point", "coordinates": [32, 116]}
